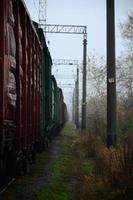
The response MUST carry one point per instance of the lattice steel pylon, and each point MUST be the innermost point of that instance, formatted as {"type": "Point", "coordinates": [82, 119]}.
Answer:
{"type": "Point", "coordinates": [43, 14]}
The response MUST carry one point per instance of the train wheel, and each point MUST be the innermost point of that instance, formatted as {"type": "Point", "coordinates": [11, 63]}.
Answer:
{"type": "Point", "coordinates": [33, 156]}
{"type": "Point", "coordinates": [3, 170]}
{"type": "Point", "coordinates": [19, 165]}
{"type": "Point", "coordinates": [7, 167]}
{"type": "Point", "coordinates": [26, 165]}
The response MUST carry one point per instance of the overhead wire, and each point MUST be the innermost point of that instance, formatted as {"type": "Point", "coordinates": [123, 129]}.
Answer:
{"type": "Point", "coordinates": [36, 8]}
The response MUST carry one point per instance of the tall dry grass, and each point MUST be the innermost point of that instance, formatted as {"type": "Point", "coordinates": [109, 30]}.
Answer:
{"type": "Point", "coordinates": [113, 177]}
{"type": "Point", "coordinates": [116, 166]}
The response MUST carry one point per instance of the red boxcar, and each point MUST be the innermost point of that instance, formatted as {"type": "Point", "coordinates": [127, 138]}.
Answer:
{"type": "Point", "coordinates": [28, 75]}
{"type": "Point", "coordinates": [19, 84]}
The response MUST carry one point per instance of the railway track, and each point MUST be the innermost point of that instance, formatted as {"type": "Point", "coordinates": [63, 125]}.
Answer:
{"type": "Point", "coordinates": [7, 186]}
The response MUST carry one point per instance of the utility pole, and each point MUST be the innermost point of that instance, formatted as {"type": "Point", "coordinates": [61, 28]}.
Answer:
{"type": "Point", "coordinates": [73, 106]}
{"type": "Point", "coordinates": [83, 122]}
{"type": "Point", "coordinates": [77, 100]}
{"type": "Point", "coordinates": [111, 76]}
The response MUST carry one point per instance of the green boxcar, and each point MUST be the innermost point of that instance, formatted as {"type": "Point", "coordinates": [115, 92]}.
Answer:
{"type": "Point", "coordinates": [48, 89]}
{"type": "Point", "coordinates": [61, 100]}
{"type": "Point", "coordinates": [51, 105]}
{"type": "Point", "coordinates": [55, 104]}
{"type": "Point", "coordinates": [58, 106]}
{"type": "Point", "coordinates": [54, 99]}
{"type": "Point", "coordinates": [42, 78]}
{"type": "Point", "coordinates": [46, 85]}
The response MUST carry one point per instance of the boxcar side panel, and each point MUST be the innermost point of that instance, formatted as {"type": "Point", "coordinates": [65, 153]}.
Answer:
{"type": "Point", "coordinates": [29, 80]}
{"type": "Point", "coordinates": [24, 79]}
{"type": "Point", "coordinates": [43, 88]}
{"type": "Point", "coordinates": [19, 72]}
{"type": "Point", "coordinates": [48, 89]}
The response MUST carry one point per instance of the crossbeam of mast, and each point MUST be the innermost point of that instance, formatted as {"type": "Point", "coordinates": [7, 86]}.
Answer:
{"type": "Point", "coordinates": [65, 62]}
{"type": "Point", "coordinates": [68, 29]}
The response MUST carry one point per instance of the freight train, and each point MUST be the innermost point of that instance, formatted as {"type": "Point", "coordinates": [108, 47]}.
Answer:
{"type": "Point", "coordinates": [32, 108]}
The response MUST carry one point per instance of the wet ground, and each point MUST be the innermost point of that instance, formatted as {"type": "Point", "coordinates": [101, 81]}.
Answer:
{"type": "Point", "coordinates": [48, 178]}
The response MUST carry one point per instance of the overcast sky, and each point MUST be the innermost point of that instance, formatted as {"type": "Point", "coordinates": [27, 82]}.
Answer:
{"type": "Point", "coordinates": [91, 13]}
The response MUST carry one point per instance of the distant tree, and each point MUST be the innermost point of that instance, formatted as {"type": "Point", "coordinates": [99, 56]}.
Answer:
{"type": "Point", "coordinates": [127, 32]}
{"type": "Point", "coordinates": [96, 94]}
{"type": "Point", "coordinates": [96, 75]}
{"type": "Point", "coordinates": [125, 61]}
{"type": "Point", "coordinates": [125, 80]}
{"type": "Point", "coordinates": [125, 74]}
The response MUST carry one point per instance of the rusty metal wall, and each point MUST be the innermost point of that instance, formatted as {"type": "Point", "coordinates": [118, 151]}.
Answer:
{"type": "Point", "coordinates": [8, 94]}
{"type": "Point", "coordinates": [19, 74]}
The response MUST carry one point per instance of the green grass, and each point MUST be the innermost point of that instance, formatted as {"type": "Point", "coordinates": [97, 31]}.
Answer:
{"type": "Point", "coordinates": [36, 171]}
{"type": "Point", "coordinates": [87, 167]}
{"type": "Point", "coordinates": [49, 194]}
{"type": "Point", "coordinates": [59, 188]}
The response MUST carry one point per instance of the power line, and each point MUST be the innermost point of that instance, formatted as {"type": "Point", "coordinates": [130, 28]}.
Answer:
{"type": "Point", "coordinates": [35, 4]}
{"type": "Point", "coordinates": [64, 62]}
{"type": "Point", "coordinates": [36, 8]}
